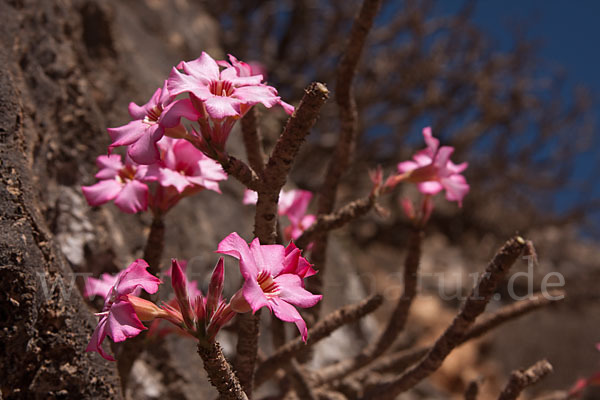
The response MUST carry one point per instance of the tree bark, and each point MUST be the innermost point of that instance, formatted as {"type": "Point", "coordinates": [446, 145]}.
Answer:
{"type": "Point", "coordinates": [45, 325]}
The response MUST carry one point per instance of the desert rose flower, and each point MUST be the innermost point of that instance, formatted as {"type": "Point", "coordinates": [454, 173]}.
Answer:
{"type": "Point", "coordinates": [272, 279]}
{"type": "Point", "coordinates": [221, 97]}
{"type": "Point", "coordinates": [120, 182]}
{"type": "Point", "coordinates": [432, 171]}
{"type": "Point", "coordinates": [185, 168]}
{"type": "Point", "coordinates": [161, 115]}
{"type": "Point", "coordinates": [118, 318]}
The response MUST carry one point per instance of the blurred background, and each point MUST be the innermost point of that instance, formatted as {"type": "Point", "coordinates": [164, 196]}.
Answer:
{"type": "Point", "coordinates": [511, 85]}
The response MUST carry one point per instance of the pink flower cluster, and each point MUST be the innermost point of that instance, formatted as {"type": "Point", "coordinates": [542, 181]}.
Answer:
{"type": "Point", "coordinates": [293, 204]}
{"type": "Point", "coordinates": [219, 93]}
{"type": "Point", "coordinates": [432, 171]}
{"type": "Point", "coordinates": [181, 171]}
{"type": "Point", "coordinates": [273, 276]}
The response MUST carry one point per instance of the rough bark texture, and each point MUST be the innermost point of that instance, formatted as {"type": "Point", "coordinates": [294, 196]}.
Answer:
{"type": "Point", "coordinates": [44, 102]}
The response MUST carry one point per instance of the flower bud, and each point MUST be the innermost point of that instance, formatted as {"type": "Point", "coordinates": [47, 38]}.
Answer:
{"type": "Point", "coordinates": [146, 310]}
{"type": "Point", "coordinates": [239, 304]}
{"type": "Point", "coordinates": [179, 283]}
{"type": "Point", "coordinates": [215, 288]}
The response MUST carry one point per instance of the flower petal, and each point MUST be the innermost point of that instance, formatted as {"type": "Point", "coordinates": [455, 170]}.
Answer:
{"type": "Point", "coordinates": [268, 257]}
{"type": "Point", "coordinates": [102, 192]}
{"type": "Point", "coordinates": [219, 107]}
{"type": "Point", "coordinates": [264, 94]}
{"type": "Point", "coordinates": [122, 322]}
{"type": "Point", "coordinates": [99, 287]}
{"type": "Point", "coordinates": [287, 312]}
{"type": "Point", "coordinates": [233, 245]}
{"type": "Point", "coordinates": [144, 150]}
{"type": "Point", "coordinates": [430, 187]}
{"type": "Point", "coordinates": [108, 166]}
{"type": "Point", "coordinates": [136, 276]}
{"type": "Point", "coordinates": [432, 143]}
{"type": "Point", "coordinates": [168, 177]}
{"type": "Point", "coordinates": [179, 83]}
{"type": "Point", "coordinates": [456, 188]}
{"type": "Point", "coordinates": [171, 116]}
{"type": "Point", "coordinates": [98, 337]}
{"type": "Point", "coordinates": [250, 197]}
{"type": "Point", "coordinates": [204, 67]}
{"type": "Point", "coordinates": [293, 292]}
{"type": "Point", "coordinates": [406, 166]}
{"type": "Point", "coordinates": [254, 295]}
{"type": "Point", "coordinates": [127, 134]}
{"type": "Point", "coordinates": [133, 197]}
{"type": "Point", "coordinates": [294, 204]}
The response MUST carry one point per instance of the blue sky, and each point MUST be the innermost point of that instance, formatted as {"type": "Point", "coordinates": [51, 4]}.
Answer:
{"type": "Point", "coordinates": [566, 31]}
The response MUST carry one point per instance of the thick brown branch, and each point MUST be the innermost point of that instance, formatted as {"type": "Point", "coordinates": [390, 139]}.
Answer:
{"type": "Point", "coordinates": [346, 102]}
{"type": "Point", "coordinates": [512, 311]}
{"type": "Point", "coordinates": [155, 244]}
{"type": "Point", "coordinates": [282, 158]}
{"type": "Point", "coordinates": [246, 350]}
{"type": "Point", "coordinates": [252, 142]}
{"type": "Point", "coordinates": [302, 384]}
{"type": "Point", "coordinates": [220, 373]}
{"type": "Point", "coordinates": [454, 334]}
{"type": "Point", "coordinates": [398, 362]}
{"type": "Point", "coordinates": [348, 131]}
{"type": "Point", "coordinates": [395, 323]}
{"type": "Point", "coordinates": [520, 379]}
{"type": "Point", "coordinates": [240, 171]}
{"type": "Point", "coordinates": [319, 331]}
{"type": "Point", "coordinates": [472, 390]}
{"type": "Point", "coordinates": [337, 219]}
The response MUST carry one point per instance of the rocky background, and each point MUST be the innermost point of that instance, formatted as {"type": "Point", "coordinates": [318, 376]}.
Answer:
{"type": "Point", "coordinates": [69, 69]}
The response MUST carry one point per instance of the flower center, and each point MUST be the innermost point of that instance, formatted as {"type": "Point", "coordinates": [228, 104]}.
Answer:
{"type": "Point", "coordinates": [126, 174]}
{"type": "Point", "coordinates": [153, 115]}
{"type": "Point", "coordinates": [267, 284]}
{"type": "Point", "coordinates": [221, 88]}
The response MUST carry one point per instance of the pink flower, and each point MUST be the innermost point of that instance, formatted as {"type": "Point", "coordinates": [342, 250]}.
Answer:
{"type": "Point", "coordinates": [294, 204]}
{"type": "Point", "coordinates": [432, 170]}
{"type": "Point", "coordinates": [273, 279]}
{"type": "Point", "coordinates": [118, 317]}
{"type": "Point", "coordinates": [227, 93]}
{"type": "Point", "coordinates": [99, 287]}
{"type": "Point", "coordinates": [185, 168]}
{"type": "Point", "coordinates": [119, 182]}
{"type": "Point", "coordinates": [162, 114]}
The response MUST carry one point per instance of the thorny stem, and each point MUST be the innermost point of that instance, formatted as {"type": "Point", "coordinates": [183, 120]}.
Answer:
{"type": "Point", "coordinates": [396, 321]}
{"type": "Point", "coordinates": [219, 371]}
{"type": "Point", "coordinates": [520, 379]}
{"type": "Point", "coordinates": [155, 244]}
{"type": "Point", "coordinates": [348, 131]}
{"type": "Point", "coordinates": [454, 334]}
{"type": "Point", "coordinates": [337, 219]}
{"type": "Point", "coordinates": [252, 142]}
{"type": "Point", "coordinates": [281, 160]}
{"type": "Point", "coordinates": [265, 221]}
{"type": "Point", "coordinates": [240, 171]}
{"type": "Point", "coordinates": [319, 331]}
{"type": "Point", "coordinates": [247, 348]}
{"type": "Point", "coordinates": [472, 390]}
{"type": "Point", "coordinates": [398, 362]}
